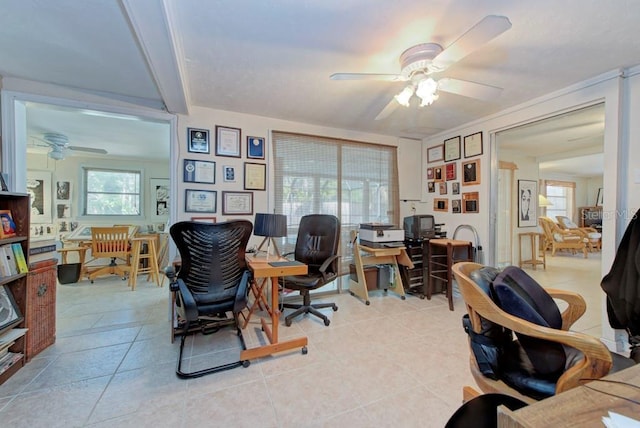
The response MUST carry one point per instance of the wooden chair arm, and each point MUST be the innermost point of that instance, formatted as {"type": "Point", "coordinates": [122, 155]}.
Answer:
{"type": "Point", "coordinates": [575, 309]}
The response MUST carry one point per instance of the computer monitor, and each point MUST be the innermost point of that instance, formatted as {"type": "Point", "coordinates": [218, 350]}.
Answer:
{"type": "Point", "coordinates": [419, 226]}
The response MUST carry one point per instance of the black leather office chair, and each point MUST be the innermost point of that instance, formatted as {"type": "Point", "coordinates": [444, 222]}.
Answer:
{"type": "Point", "coordinates": [212, 281]}
{"type": "Point", "coordinates": [316, 246]}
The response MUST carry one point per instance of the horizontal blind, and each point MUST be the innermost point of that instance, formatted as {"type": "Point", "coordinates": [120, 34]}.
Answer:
{"type": "Point", "coordinates": [355, 181]}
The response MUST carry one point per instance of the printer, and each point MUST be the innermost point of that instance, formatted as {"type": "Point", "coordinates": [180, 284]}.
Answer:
{"type": "Point", "coordinates": [380, 235]}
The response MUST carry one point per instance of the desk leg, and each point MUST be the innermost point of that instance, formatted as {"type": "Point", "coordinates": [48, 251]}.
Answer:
{"type": "Point", "coordinates": [271, 331]}
{"type": "Point", "coordinates": [259, 301]}
{"type": "Point", "coordinates": [359, 288]}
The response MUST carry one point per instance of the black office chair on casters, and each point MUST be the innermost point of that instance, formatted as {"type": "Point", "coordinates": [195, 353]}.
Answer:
{"type": "Point", "coordinates": [212, 283]}
{"type": "Point", "coordinates": [317, 246]}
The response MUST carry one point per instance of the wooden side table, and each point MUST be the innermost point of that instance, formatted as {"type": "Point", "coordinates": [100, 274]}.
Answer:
{"type": "Point", "coordinates": [443, 253]}
{"type": "Point", "coordinates": [534, 260]}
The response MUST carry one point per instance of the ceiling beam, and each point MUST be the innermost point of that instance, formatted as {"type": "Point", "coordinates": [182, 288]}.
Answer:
{"type": "Point", "coordinates": [161, 49]}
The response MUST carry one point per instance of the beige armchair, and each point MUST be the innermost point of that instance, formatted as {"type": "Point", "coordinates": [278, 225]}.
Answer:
{"type": "Point", "coordinates": [558, 239]}
{"type": "Point", "coordinates": [594, 238]}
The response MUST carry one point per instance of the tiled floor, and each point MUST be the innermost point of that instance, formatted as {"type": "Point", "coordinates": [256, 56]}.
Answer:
{"type": "Point", "coordinates": [394, 363]}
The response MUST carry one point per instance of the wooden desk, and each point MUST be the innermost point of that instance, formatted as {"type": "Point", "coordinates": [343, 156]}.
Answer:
{"type": "Point", "coordinates": [582, 406]}
{"type": "Point", "coordinates": [263, 272]}
{"type": "Point", "coordinates": [378, 256]}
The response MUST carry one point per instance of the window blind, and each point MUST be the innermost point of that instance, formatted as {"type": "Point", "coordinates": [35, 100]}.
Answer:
{"type": "Point", "coordinates": [355, 181]}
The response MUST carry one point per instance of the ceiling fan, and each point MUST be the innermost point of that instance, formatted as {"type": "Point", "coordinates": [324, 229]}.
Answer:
{"type": "Point", "coordinates": [420, 62]}
{"type": "Point", "coordinates": [59, 144]}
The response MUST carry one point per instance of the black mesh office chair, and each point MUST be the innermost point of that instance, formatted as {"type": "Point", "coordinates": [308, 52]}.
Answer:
{"type": "Point", "coordinates": [212, 281]}
{"type": "Point", "coordinates": [316, 246]}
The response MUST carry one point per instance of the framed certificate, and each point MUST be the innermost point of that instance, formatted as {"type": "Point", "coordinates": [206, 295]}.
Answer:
{"type": "Point", "coordinates": [255, 176]}
{"type": "Point", "coordinates": [473, 145]}
{"type": "Point", "coordinates": [452, 149]}
{"type": "Point", "coordinates": [228, 141]}
{"type": "Point", "coordinates": [435, 153]}
{"type": "Point", "coordinates": [200, 201]}
{"type": "Point", "coordinates": [237, 203]}
{"type": "Point", "coordinates": [196, 171]}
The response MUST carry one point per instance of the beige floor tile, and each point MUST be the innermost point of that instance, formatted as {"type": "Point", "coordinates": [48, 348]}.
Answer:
{"type": "Point", "coordinates": [391, 363]}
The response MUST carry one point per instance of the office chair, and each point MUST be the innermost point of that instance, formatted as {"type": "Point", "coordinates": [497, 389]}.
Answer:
{"type": "Point", "coordinates": [317, 246]}
{"type": "Point", "coordinates": [212, 281]}
{"type": "Point", "coordinates": [545, 358]}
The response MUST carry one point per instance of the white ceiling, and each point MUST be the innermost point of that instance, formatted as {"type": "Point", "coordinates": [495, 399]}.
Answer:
{"type": "Point", "coordinates": [274, 58]}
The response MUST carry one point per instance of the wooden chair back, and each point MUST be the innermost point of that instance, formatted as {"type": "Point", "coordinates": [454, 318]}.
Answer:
{"type": "Point", "coordinates": [110, 242]}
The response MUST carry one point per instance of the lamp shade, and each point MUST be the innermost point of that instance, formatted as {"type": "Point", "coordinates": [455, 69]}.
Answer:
{"type": "Point", "coordinates": [543, 202]}
{"type": "Point", "coordinates": [271, 225]}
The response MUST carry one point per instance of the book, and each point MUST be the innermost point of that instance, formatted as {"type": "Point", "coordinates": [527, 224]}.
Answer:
{"type": "Point", "coordinates": [9, 360]}
{"type": "Point", "coordinates": [4, 263]}
{"type": "Point", "coordinates": [11, 259]}
{"type": "Point", "coordinates": [21, 262]}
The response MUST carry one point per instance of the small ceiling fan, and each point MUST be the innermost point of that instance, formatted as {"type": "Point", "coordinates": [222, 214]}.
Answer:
{"type": "Point", "coordinates": [420, 62]}
{"type": "Point", "coordinates": [59, 144]}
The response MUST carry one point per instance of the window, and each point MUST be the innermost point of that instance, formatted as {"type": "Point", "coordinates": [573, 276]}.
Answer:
{"type": "Point", "coordinates": [357, 182]}
{"type": "Point", "coordinates": [111, 192]}
{"type": "Point", "coordinates": [561, 195]}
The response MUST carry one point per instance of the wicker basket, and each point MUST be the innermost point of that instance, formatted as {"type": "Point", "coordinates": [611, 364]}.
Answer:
{"type": "Point", "coordinates": [40, 317]}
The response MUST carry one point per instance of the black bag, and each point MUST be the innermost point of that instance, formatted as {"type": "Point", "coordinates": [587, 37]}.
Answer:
{"type": "Point", "coordinates": [488, 346]}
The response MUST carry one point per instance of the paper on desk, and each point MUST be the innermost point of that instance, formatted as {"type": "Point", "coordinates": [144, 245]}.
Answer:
{"type": "Point", "coordinates": [616, 420]}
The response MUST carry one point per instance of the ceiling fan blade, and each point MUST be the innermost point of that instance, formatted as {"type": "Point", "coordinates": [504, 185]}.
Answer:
{"type": "Point", "coordinates": [388, 109]}
{"type": "Point", "coordinates": [485, 30]}
{"type": "Point", "coordinates": [469, 89]}
{"type": "Point", "coordinates": [368, 76]}
{"type": "Point", "coordinates": [88, 149]}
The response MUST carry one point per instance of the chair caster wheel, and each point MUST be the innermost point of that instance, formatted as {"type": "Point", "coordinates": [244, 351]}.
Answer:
{"type": "Point", "coordinates": [351, 292]}
{"type": "Point", "coordinates": [335, 308]}
{"type": "Point", "coordinates": [385, 290]}
{"type": "Point", "coordinates": [92, 281]}
{"type": "Point", "coordinates": [246, 363]}
{"type": "Point", "coordinates": [304, 350]}
{"type": "Point", "coordinates": [327, 322]}
{"type": "Point", "coordinates": [403, 297]}
{"type": "Point", "coordinates": [287, 323]}
{"type": "Point", "coordinates": [422, 297]}
{"type": "Point", "coordinates": [367, 303]}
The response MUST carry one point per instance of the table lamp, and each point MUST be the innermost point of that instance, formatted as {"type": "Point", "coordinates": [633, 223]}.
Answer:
{"type": "Point", "coordinates": [270, 226]}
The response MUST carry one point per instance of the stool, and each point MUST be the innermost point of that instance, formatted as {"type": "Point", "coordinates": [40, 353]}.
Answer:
{"type": "Point", "coordinates": [138, 256]}
{"type": "Point", "coordinates": [533, 261]}
{"type": "Point", "coordinates": [442, 255]}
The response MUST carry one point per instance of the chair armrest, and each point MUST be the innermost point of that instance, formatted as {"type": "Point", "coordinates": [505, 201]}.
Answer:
{"type": "Point", "coordinates": [187, 300]}
{"type": "Point", "coordinates": [325, 265]}
{"type": "Point", "coordinates": [577, 306]}
{"type": "Point", "coordinates": [242, 291]}
{"type": "Point", "coordinates": [597, 358]}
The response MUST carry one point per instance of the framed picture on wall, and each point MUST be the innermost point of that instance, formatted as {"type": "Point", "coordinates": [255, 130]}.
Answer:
{"type": "Point", "coordinates": [255, 148]}
{"type": "Point", "coordinates": [39, 189]}
{"type": "Point", "coordinates": [452, 149]}
{"type": "Point", "coordinates": [471, 172]}
{"type": "Point", "coordinates": [527, 203]}
{"type": "Point", "coordinates": [198, 140]}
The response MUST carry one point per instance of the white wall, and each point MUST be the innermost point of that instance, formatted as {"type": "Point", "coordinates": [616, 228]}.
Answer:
{"type": "Point", "coordinates": [616, 92]}
{"type": "Point", "coordinates": [259, 126]}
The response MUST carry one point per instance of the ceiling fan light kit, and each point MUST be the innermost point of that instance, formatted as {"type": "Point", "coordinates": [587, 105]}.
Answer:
{"type": "Point", "coordinates": [419, 62]}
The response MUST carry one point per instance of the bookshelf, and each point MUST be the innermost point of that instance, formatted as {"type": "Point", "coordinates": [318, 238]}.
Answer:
{"type": "Point", "coordinates": [14, 288]}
